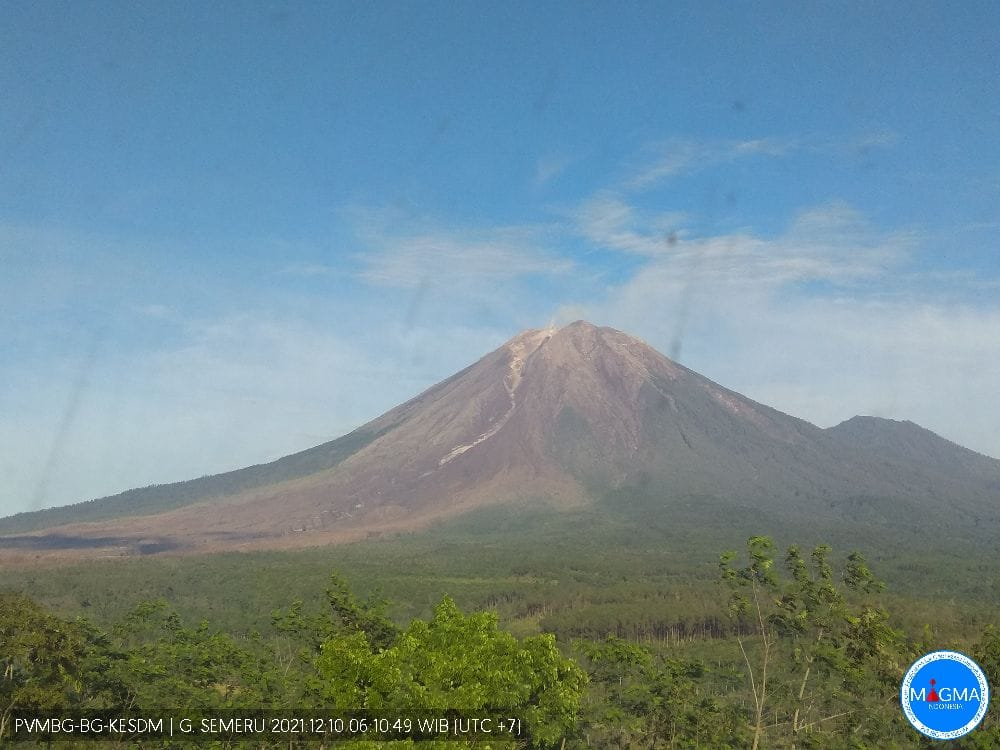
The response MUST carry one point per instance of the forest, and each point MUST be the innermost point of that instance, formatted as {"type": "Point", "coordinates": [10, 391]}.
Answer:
{"type": "Point", "coordinates": [799, 650]}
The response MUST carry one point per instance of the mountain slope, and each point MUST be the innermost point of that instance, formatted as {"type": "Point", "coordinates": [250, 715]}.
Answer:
{"type": "Point", "coordinates": [561, 417]}
{"type": "Point", "coordinates": [160, 498]}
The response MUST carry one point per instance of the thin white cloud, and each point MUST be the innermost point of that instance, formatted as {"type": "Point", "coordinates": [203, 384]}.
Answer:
{"type": "Point", "coordinates": [309, 270]}
{"type": "Point", "coordinates": [678, 156]}
{"type": "Point", "coordinates": [548, 169]}
{"type": "Point", "coordinates": [873, 140]}
{"type": "Point", "coordinates": [157, 311]}
{"type": "Point", "coordinates": [831, 242]}
{"type": "Point", "coordinates": [612, 224]}
{"type": "Point", "coordinates": [457, 257]}
{"type": "Point", "coordinates": [763, 147]}
{"type": "Point", "coordinates": [979, 226]}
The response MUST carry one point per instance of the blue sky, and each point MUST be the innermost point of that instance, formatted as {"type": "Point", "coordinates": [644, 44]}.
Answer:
{"type": "Point", "coordinates": [229, 231]}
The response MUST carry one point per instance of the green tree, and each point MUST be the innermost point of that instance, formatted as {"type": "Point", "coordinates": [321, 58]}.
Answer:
{"type": "Point", "coordinates": [301, 635]}
{"type": "Point", "coordinates": [367, 616]}
{"type": "Point", "coordinates": [43, 658]}
{"type": "Point", "coordinates": [163, 663]}
{"type": "Point", "coordinates": [456, 662]}
{"type": "Point", "coordinates": [825, 655]}
{"type": "Point", "coordinates": [639, 699]}
{"type": "Point", "coordinates": [987, 654]}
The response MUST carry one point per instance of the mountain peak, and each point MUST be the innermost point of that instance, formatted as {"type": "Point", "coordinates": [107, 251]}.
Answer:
{"type": "Point", "coordinates": [579, 325]}
{"type": "Point", "coordinates": [582, 338]}
{"type": "Point", "coordinates": [576, 327]}
{"type": "Point", "coordinates": [568, 344]}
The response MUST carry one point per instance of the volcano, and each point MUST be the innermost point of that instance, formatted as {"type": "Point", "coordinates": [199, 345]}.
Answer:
{"type": "Point", "coordinates": [560, 418]}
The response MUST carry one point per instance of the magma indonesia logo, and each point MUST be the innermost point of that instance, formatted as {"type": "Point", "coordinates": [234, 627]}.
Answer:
{"type": "Point", "coordinates": [944, 695]}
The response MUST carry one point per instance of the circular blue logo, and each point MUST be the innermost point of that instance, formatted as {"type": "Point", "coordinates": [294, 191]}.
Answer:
{"type": "Point", "coordinates": [944, 695]}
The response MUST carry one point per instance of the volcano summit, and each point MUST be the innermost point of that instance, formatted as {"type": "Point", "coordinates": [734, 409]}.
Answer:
{"type": "Point", "coordinates": [562, 418]}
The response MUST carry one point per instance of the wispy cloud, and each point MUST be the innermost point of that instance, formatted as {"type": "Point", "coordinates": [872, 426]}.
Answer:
{"type": "Point", "coordinates": [309, 270]}
{"type": "Point", "coordinates": [831, 242]}
{"type": "Point", "coordinates": [674, 158]}
{"type": "Point", "coordinates": [611, 223]}
{"type": "Point", "coordinates": [157, 311]}
{"type": "Point", "coordinates": [458, 257]}
{"type": "Point", "coordinates": [760, 146]}
{"type": "Point", "coordinates": [678, 156]}
{"type": "Point", "coordinates": [874, 139]}
{"type": "Point", "coordinates": [548, 169]}
{"type": "Point", "coordinates": [979, 226]}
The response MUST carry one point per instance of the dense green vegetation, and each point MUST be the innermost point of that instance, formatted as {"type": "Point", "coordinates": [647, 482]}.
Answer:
{"type": "Point", "coordinates": [625, 646]}
{"type": "Point", "coordinates": [633, 571]}
{"type": "Point", "coordinates": [355, 659]}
